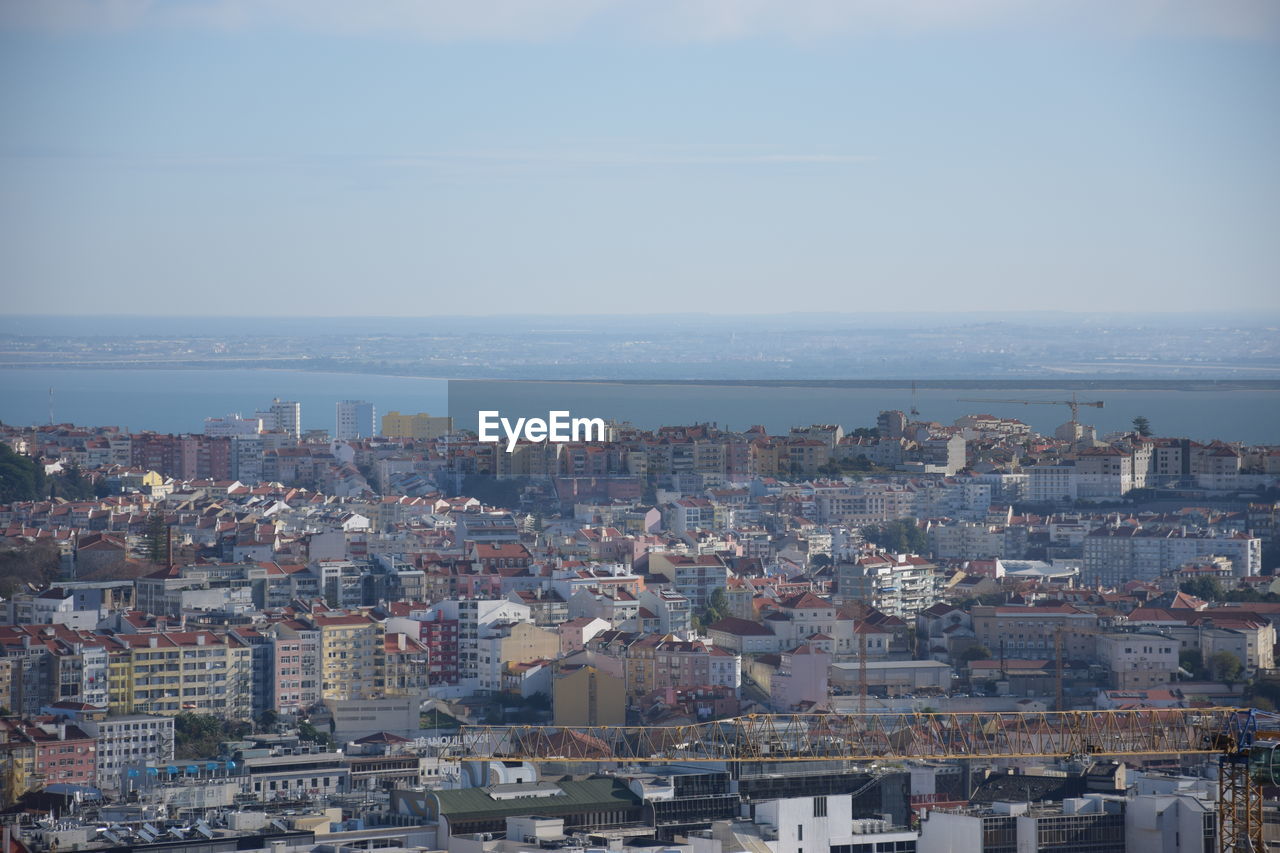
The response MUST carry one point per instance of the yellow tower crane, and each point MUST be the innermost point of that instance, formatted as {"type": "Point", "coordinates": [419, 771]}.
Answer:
{"type": "Point", "coordinates": [1073, 403]}
{"type": "Point", "coordinates": [1246, 742]}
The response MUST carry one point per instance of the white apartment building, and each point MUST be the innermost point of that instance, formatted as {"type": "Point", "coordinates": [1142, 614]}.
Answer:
{"type": "Point", "coordinates": [966, 540]}
{"type": "Point", "coordinates": [283, 416]}
{"type": "Point", "coordinates": [130, 741]}
{"type": "Point", "coordinates": [232, 425]}
{"type": "Point", "coordinates": [355, 419]}
{"type": "Point", "coordinates": [1051, 483]}
{"type": "Point", "coordinates": [1114, 555]}
{"type": "Point", "coordinates": [896, 584]}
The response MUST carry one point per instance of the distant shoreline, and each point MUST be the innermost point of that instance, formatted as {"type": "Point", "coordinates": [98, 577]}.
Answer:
{"type": "Point", "coordinates": [960, 384]}
{"type": "Point", "coordinates": [994, 383]}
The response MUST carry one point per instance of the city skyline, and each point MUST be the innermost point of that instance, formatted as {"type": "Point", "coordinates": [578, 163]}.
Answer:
{"type": "Point", "coordinates": [596, 158]}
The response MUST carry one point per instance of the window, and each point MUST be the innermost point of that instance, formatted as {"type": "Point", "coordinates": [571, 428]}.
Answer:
{"type": "Point", "coordinates": [819, 806]}
{"type": "Point", "coordinates": [800, 832]}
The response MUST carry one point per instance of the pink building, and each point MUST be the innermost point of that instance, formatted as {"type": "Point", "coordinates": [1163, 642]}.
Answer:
{"type": "Point", "coordinates": [64, 754]}
{"type": "Point", "coordinates": [575, 633]}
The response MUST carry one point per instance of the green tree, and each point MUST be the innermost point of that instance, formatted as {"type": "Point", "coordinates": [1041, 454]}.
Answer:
{"type": "Point", "coordinates": [1225, 667]}
{"type": "Point", "coordinates": [717, 608]}
{"type": "Point", "coordinates": [1207, 588]}
{"type": "Point", "coordinates": [1189, 659]}
{"type": "Point", "coordinates": [973, 653]}
{"type": "Point", "coordinates": [829, 469]}
{"type": "Point", "coordinates": [71, 485]}
{"type": "Point", "coordinates": [1142, 426]}
{"type": "Point", "coordinates": [308, 732]}
{"type": "Point", "coordinates": [155, 539]}
{"type": "Point", "coordinates": [901, 536]}
{"type": "Point", "coordinates": [21, 477]}
{"type": "Point", "coordinates": [267, 720]}
{"type": "Point", "coordinates": [200, 735]}
{"type": "Point", "coordinates": [35, 563]}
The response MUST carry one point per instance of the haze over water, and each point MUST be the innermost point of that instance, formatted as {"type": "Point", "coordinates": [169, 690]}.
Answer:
{"type": "Point", "coordinates": [179, 400]}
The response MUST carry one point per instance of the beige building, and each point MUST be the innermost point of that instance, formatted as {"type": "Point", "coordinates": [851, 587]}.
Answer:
{"type": "Point", "coordinates": [516, 642]}
{"type": "Point", "coordinates": [1138, 661]}
{"type": "Point", "coordinates": [352, 656]}
{"type": "Point", "coordinates": [421, 426]}
{"type": "Point", "coordinates": [1030, 632]}
{"type": "Point", "coordinates": [586, 696]}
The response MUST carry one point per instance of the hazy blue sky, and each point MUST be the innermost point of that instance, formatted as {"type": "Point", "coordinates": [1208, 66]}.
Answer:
{"type": "Point", "coordinates": [592, 156]}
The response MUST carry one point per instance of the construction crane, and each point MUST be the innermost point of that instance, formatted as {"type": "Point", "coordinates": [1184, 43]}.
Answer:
{"type": "Point", "coordinates": [862, 669]}
{"type": "Point", "coordinates": [1073, 403]}
{"type": "Point", "coordinates": [1246, 742]}
{"type": "Point", "coordinates": [1249, 746]}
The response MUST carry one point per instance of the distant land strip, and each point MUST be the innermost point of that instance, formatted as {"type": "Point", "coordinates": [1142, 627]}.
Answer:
{"type": "Point", "coordinates": [508, 373]}
{"type": "Point", "coordinates": [1120, 384]}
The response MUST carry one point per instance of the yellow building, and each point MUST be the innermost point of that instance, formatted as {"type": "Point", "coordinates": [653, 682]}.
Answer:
{"type": "Point", "coordinates": [174, 671]}
{"type": "Point", "coordinates": [420, 426]}
{"type": "Point", "coordinates": [17, 768]}
{"type": "Point", "coordinates": [6, 684]}
{"type": "Point", "coordinates": [352, 656]}
{"type": "Point", "coordinates": [527, 642]}
{"type": "Point", "coordinates": [586, 696]}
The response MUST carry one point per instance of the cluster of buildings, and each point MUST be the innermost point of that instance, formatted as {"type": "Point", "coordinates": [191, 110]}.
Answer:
{"type": "Point", "coordinates": [344, 587]}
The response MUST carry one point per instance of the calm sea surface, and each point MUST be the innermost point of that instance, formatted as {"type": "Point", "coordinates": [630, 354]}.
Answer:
{"type": "Point", "coordinates": [180, 400]}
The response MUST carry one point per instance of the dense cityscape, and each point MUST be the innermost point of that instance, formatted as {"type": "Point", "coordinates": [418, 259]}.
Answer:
{"type": "Point", "coordinates": [639, 426]}
{"type": "Point", "coordinates": [263, 635]}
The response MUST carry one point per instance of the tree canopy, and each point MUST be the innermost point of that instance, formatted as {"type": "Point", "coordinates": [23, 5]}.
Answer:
{"type": "Point", "coordinates": [199, 735]}
{"type": "Point", "coordinates": [21, 477]}
{"type": "Point", "coordinates": [1224, 666]}
{"type": "Point", "coordinates": [902, 536]}
{"type": "Point", "coordinates": [37, 563]}
{"type": "Point", "coordinates": [717, 608]}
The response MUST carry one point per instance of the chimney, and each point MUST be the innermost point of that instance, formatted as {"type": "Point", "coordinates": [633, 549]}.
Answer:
{"type": "Point", "coordinates": [200, 639]}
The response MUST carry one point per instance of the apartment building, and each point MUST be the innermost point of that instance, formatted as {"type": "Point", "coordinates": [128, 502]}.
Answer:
{"type": "Point", "coordinates": [895, 584]}
{"type": "Point", "coordinates": [354, 419]}
{"type": "Point", "coordinates": [352, 656]}
{"type": "Point", "coordinates": [1029, 632]}
{"type": "Point", "coordinates": [130, 741]}
{"type": "Point", "coordinates": [298, 669]}
{"type": "Point", "coordinates": [1114, 555]}
{"type": "Point", "coordinates": [420, 427]}
{"type": "Point", "coordinates": [170, 672]}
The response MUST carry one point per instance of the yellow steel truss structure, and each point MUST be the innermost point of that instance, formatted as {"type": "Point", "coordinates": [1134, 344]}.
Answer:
{"type": "Point", "coordinates": [860, 737]}
{"type": "Point", "coordinates": [907, 736]}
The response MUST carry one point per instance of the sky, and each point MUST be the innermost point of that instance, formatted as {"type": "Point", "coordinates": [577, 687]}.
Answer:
{"type": "Point", "coordinates": [420, 158]}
